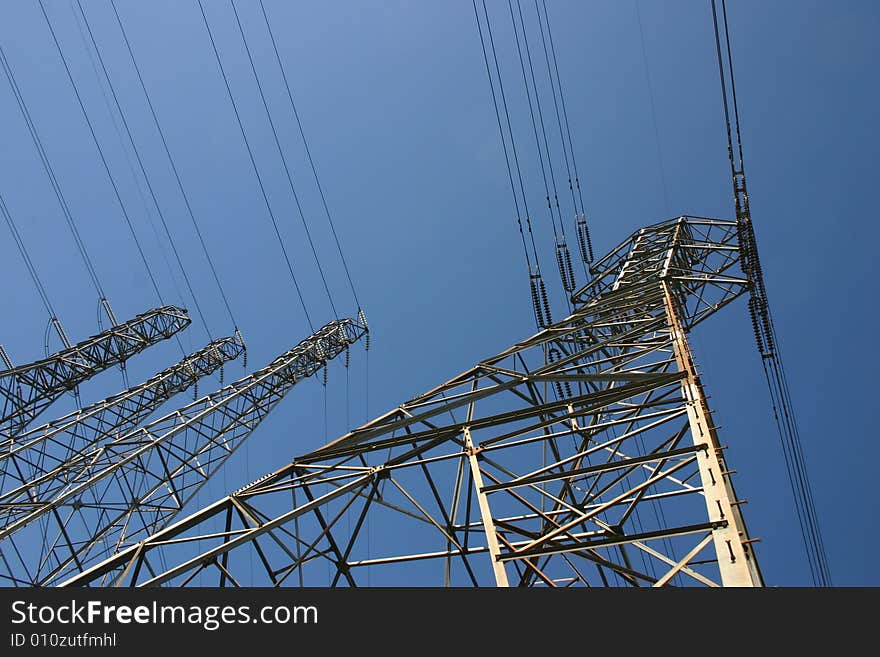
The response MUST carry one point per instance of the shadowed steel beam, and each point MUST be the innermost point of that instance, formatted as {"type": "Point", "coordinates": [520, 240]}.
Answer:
{"type": "Point", "coordinates": [27, 390]}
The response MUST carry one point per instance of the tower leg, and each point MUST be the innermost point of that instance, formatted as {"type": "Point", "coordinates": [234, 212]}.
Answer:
{"type": "Point", "coordinates": [736, 558]}
{"type": "Point", "coordinates": [486, 513]}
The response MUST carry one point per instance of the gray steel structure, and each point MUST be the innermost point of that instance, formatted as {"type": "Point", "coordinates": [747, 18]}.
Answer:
{"type": "Point", "coordinates": [115, 491]}
{"type": "Point", "coordinates": [27, 390]}
{"type": "Point", "coordinates": [583, 455]}
{"type": "Point", "coordinates": [54, 446]}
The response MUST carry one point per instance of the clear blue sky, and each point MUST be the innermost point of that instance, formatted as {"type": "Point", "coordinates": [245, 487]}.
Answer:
{"type": "Point", "coordinates": [395, 102]}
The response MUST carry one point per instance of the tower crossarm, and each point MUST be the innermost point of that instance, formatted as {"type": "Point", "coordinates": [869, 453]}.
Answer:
{"type": "Point", "coordinates": [701, 255]}
{"type": "Point", "coordinates": [135, 484]}
{"type": "Point", "coordinates": [55, 446]}
{"type": "Point", "coordinates": [28, 390]}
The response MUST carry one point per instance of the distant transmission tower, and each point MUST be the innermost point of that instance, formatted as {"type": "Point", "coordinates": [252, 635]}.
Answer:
{"type": "Point", "coordinates": [29, 389]}
{"type": "Point", "coordinates": [80, 488]}
{"type": "Point", "coordinates": [584, 455]}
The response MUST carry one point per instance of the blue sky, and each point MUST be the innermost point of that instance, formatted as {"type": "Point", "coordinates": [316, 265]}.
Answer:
{"type": "Point", "coordinates": [396, 106]}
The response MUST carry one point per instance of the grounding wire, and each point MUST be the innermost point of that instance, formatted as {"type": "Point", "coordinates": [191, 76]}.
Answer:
{"type": "Point", "coordinates": [254, 165]}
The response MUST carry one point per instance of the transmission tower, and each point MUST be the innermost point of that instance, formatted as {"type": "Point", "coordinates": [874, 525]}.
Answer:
{"type": "Point", "coordinates": [42, 450]}
{"type": "Point", "coordinates": [29, 389]}
{"type": "Point", "coordinates": [584, 455]}
{"type": "Point", "coordinates": [112, 492]}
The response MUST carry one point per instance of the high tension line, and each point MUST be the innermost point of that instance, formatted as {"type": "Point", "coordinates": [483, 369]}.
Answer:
{"type": "Point", "coordinates": [256, 169]}
{"type": "Point", "coordinates": [762, 321]}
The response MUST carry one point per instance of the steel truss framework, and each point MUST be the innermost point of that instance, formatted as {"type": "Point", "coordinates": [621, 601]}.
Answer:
{"type": "Point", "coordinates": [27, 391]}
{"type": "Point", "coordinates": [54, 446]}
{"type": "Point", "coordinates": [113, 492]}
{"type": "Point", "coordinates": [584, 455]}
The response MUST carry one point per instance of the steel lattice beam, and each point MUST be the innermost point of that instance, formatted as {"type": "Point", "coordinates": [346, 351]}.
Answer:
{"type": "Point", "coordinates": [130, 486]}
{"type": "Point", "coordinates": [26, 391]}
{"type": "Point", "coordinates": [54, 446]}
{"type": "Point", "coordinates": [584, 455]}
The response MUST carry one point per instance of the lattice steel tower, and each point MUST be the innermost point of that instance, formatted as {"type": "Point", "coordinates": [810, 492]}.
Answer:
{"type": "Point", "coordinates": [584, 455]}
{"type": "Point", "coordinates": [80, 488]}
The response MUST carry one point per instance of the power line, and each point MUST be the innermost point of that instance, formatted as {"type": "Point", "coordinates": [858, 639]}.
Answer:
{"type": "Point", "coordinates": [507, 114]}
{"type": "Point", "coordinates": [254, 165]}
{"type": "Point", "coordinates": [555, 105]}
{"type": "Point", "coordinates": [50, 172]}
{"type": "Point", "coordinates": [584, 238]}
{"type": "Point", "coordinates": [309, 154]}
{"type": "Point", "coordinates": [543, 128]}
{"type": "Point", "coordinates": [283, 158]}
{"type": "Point", "coordinates": [653, 109]}
{"type": "Point", "coordinates": [28, 263]}
{"type": "Point", "coordinates": [540, 301]}
{"type": "Point", "coordinates": [140, 165]}
{"type": "Point", "coordinates": [54, 322]}
{"type": "Point", "coordinates": [510, 130]}
{"type": "Point", "coordinates": [506, 154]}
{"type": "Point", "coordinates": [167, 150]}
{"type": "Point", "coordinates": [118, 130]}
{"type": "Point", "coordinates": [563, 257]}
{"type": "Point", "coordinates": [762, 321]}
{"type": "Point", "coordinates": [102, 157]}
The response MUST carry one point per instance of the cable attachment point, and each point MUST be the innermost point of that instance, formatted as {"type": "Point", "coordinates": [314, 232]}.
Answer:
{"type": "Point", "coordinates": [584, 240]}
{"type": "Point", "coordinates": [239, 339]}
{"type": "Point", "coordinates": [362, 318]}
{"type": "Point", "coordinates": [753, 314]}
{"type": "Point", "coordinates": [566, 271]}
{"type": "Point", "coordinates": [536, 302]}
{"type": "Point", "coordinates": [546, 303]}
